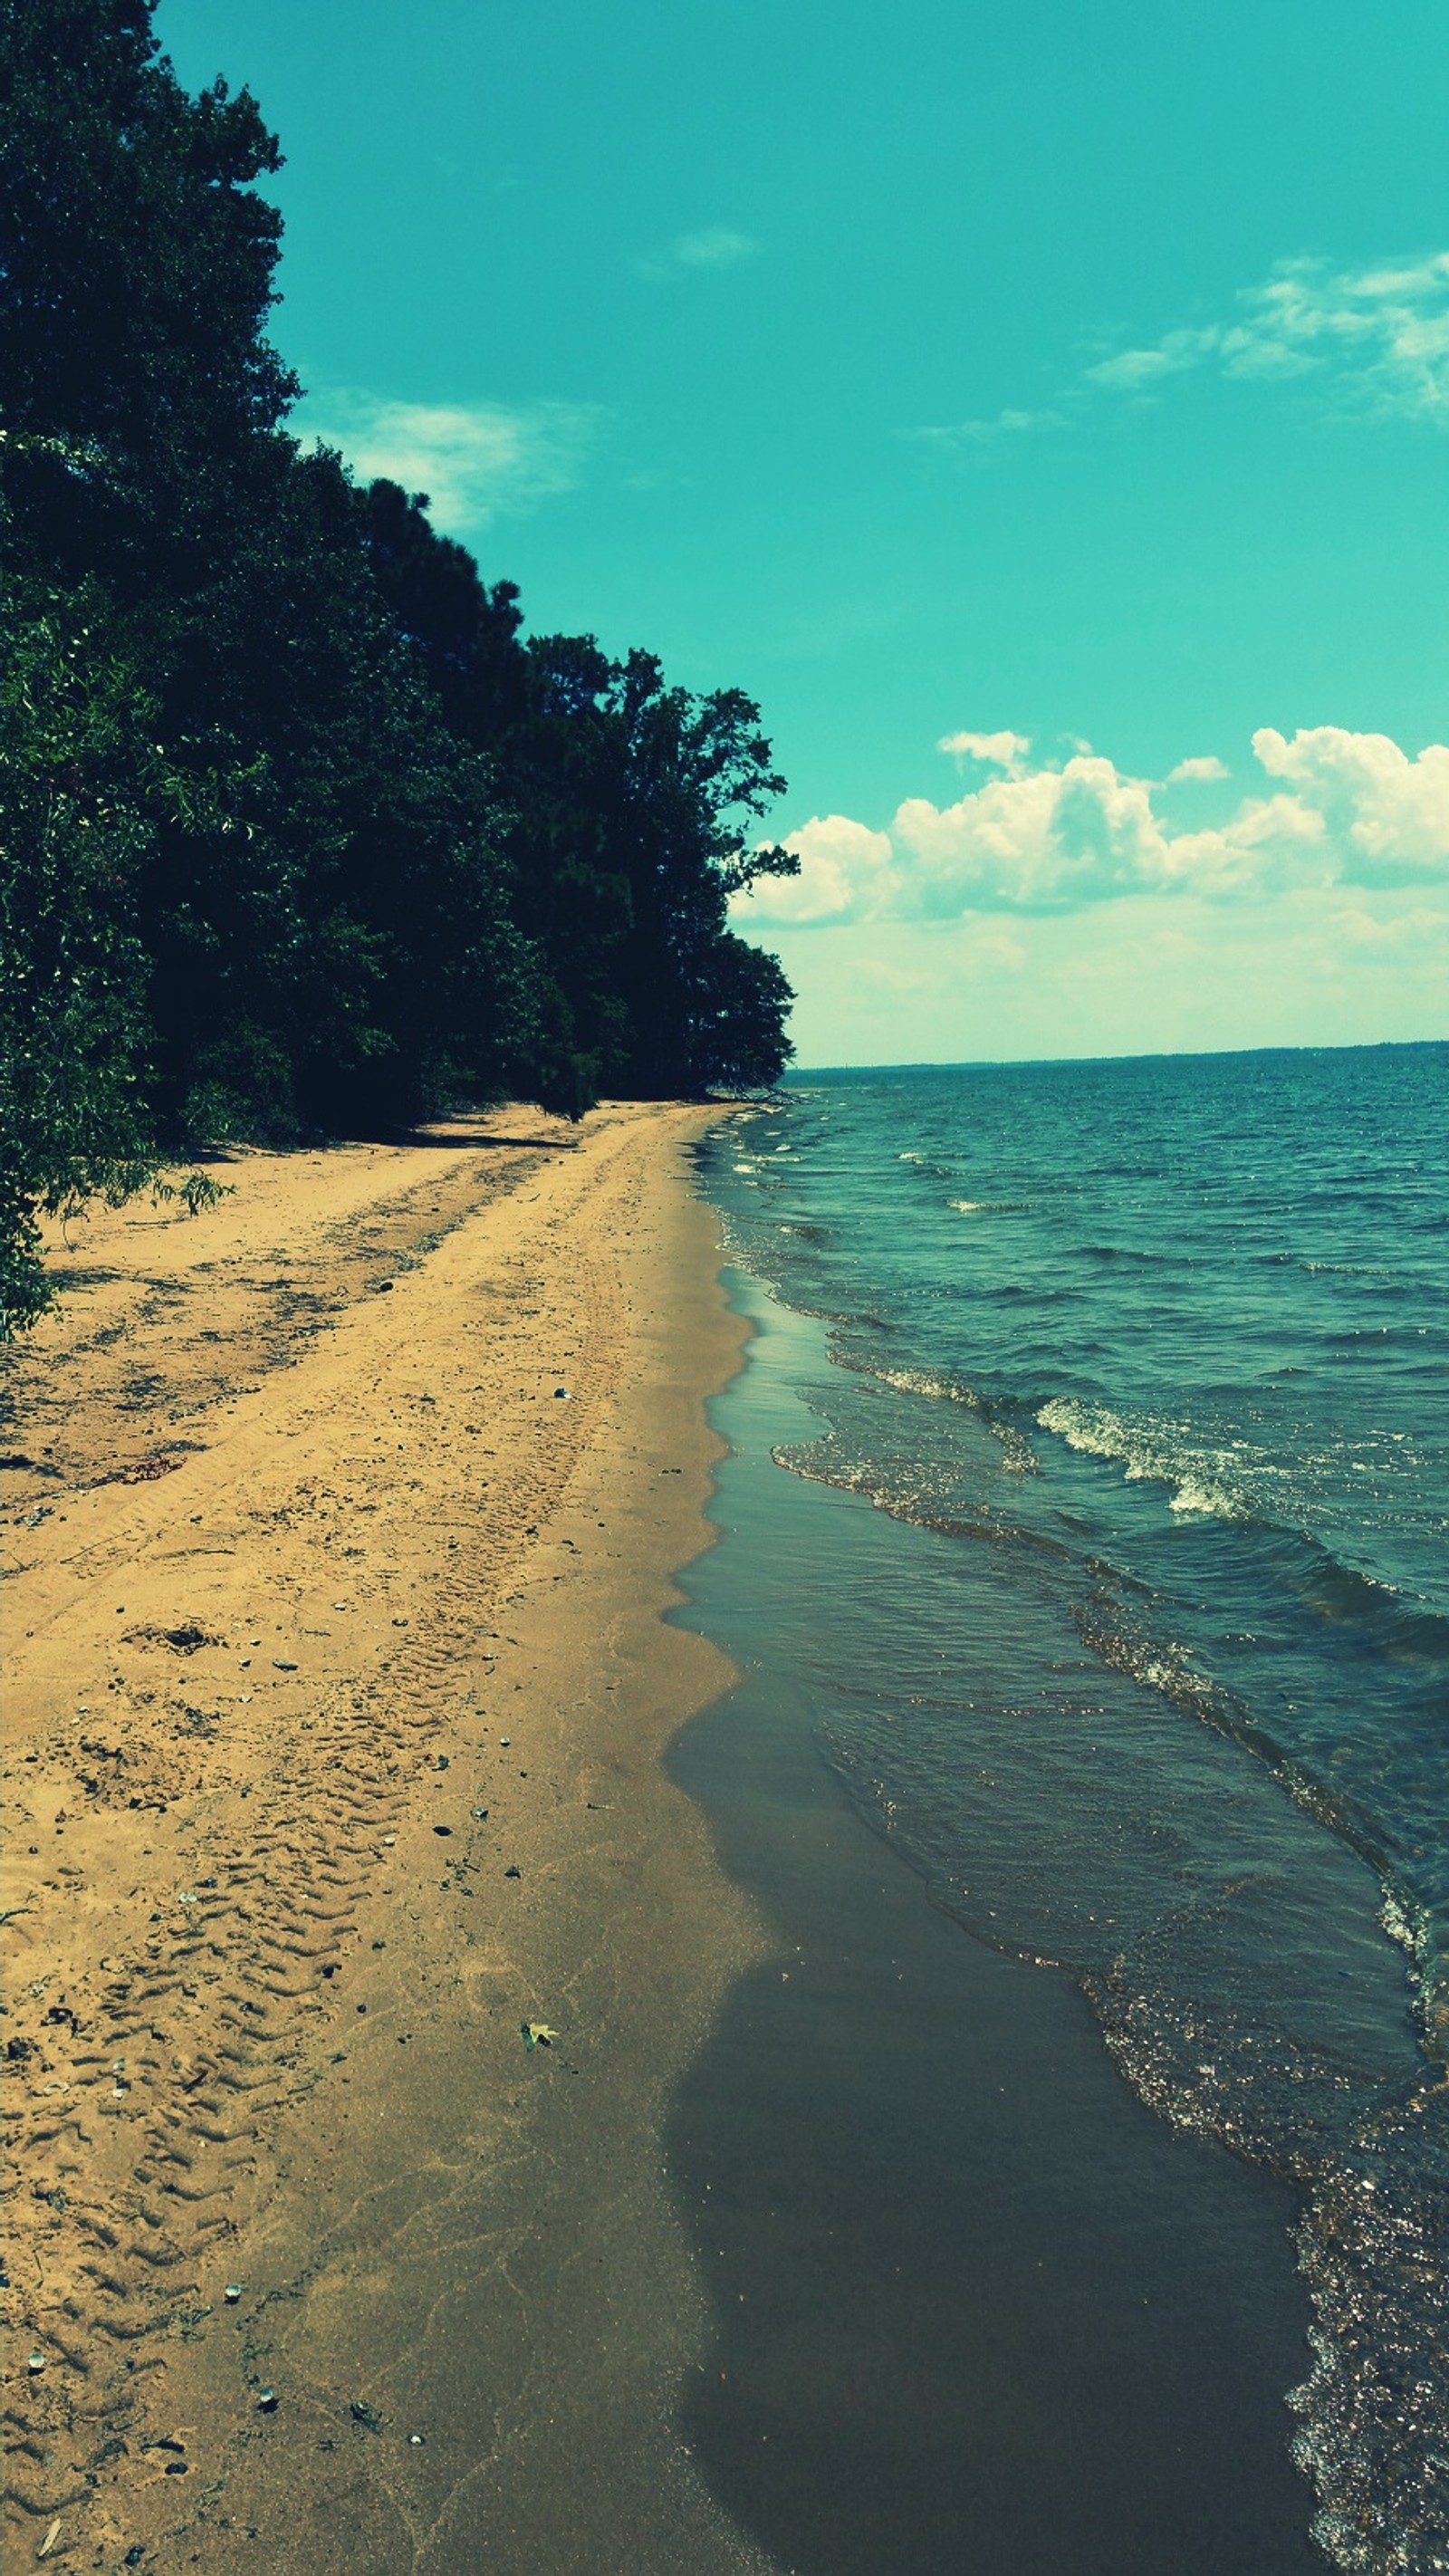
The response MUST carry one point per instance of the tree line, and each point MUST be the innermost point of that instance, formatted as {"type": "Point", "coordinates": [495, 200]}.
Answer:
{"type": "Point", "coordinates": [300, 833]}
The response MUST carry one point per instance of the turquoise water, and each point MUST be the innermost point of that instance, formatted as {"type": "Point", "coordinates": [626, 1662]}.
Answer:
{"type": "Point", "coordinates": [1146, 1364]}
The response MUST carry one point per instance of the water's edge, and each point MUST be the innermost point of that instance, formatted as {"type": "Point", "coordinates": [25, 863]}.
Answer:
{"type": "Point", "coordinates": [974, 2298]}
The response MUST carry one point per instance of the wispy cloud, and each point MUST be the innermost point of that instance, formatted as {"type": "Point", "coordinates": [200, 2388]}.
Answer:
{"type": "Point", "coordinates": [476, 461]}
{"type": "Point", "coordinates": [1339, 809]}
{"type": "Point", "coordinates": [1380, 334]}
{"type": "Point", "coordinates": [1372, 339]}
{"type": "Point", "coordinates": [714, 248]}
{"type": "Point", "coordinates": [977, 437]}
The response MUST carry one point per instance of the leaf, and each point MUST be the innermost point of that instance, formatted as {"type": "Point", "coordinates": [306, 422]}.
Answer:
{"type": "Point", "coordinates": [536, 2034]}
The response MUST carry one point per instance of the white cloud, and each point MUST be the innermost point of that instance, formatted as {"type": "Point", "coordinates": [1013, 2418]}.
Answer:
{"type": "Point", "coordinates": [1341, 809]}
{"type": "Point", "coordinates": [1381, 332]}
{"type": "Point", "coordinates": [1389, 813]}
{"type": "Point", "coordinates": [715, 247]}
{"type": "Point", "coordinates": [966, 436]}
{"type": "Point", "coordinates": [1189, 773]}
{"type": "Point", "coordinates": [839, 864]}
{"type": "Point", "coordinates": [474, 460]}
{"type": "Point", "coordinates": [996, 750]}
{"type": "Point", "coordinates": [1419, 934]}
{"type": "Point", "coordinates": [1134, 368]}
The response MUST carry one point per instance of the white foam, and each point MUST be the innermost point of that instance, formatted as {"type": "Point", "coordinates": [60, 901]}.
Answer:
{"type": "Point", "coordinates": [1155, 1453]}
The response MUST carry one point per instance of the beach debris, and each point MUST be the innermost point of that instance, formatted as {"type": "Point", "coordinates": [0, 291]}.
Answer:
{"type": "Point", "coordinates": [416, 2440]}
{"type": "Point", "coordinates": [134, 2555]}
{"type": "Point", "coordinates": [362, 2413]}
{"type": "Point", "coordinates": [513, 1870]}
{"type": "Point", "coordinates": [279, 1665]}
{"type": "Point", "coordinates": [440, 1762]}
{"type": "Point", "coordinates": [382, 1287]}
{"type": "Point", "coordinates": [445, 1830]}
{"type": "Point", "coordinates": [144, 1472]}
{"type": "Point", "coordinates": [51, 2537]}
{"type": "Point", "coordinates": [537, 2034]}
{"type": "Point", "coordinates": [182, 1640]}
{"type": "Point", "coordinates": [563, 1391]}
{"type": "Point", "coordinates": [479, 1814]}
{"type": "Point", "coordinates": [266, 2401]}
{"type": "Point", "coordinates": [505, 1741]}
{"type": "Point", "coordinates": [232, 2293]}
{"type": "Point", "coordinates": [35, 2364]}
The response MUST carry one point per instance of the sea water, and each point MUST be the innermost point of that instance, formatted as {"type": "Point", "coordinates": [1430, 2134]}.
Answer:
{"type": "Point", "coordinates": [1146, 1361]}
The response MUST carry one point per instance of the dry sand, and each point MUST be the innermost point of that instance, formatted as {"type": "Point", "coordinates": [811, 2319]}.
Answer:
{"type": "Point", "coordinates": [336, 1690]}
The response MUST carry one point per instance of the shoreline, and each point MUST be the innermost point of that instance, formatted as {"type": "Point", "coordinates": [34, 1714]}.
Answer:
{"type": "Point", "coordinates": [325, 1568]}
{"type": "Point", "coordinates": [971, 2291]}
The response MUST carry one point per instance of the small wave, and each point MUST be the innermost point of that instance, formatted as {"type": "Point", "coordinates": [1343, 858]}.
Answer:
{"type": "Point", "coordinates": [1018, 1459]}
{"type": "Point", "coordinates": [1124, 1252]}
{"type": "Point", "coordinates": [824, 1462]}
{"type": "Point", "coordinates": [1155, 1453]}
{"type": "Point", "coordinates": [990, 1207]}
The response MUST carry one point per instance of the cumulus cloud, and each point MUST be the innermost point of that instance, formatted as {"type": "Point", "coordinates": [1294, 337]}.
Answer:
{"type": "Point", "coordinates": [474, 460]}
{"type": "Point", "coordinates": [1389, 814]}
{"type": "Point", "coordinates": [714, 247]}
{"type": "Point", "coordinates": [1338, 808]}
{"type": "Point", "coordinates": [841, 865]}
{"type": "Point", "coordinates": [1195, 772]}
{"type": "Point", "coordinates": [1382, 332]}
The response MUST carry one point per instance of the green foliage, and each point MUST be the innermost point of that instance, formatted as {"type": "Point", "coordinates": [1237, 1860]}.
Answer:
{"type": "Point", "coordinates": [79, 787]}
{"type": "Point", "coordinates": [629, 804]}
{"type": "Point", "coordinates": [300, 834]}
{"type": "Point", "coordinates": [196, 1192]}
{"type": "Point", "coordinates": [137, 263]}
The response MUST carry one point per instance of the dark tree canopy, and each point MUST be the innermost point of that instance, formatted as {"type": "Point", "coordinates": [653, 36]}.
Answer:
{"type": "Point", "coordinates": [298, 830]}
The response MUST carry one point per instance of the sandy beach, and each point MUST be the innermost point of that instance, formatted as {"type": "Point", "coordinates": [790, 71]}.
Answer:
{"type": "Point", "coordinates": [340, 1522]}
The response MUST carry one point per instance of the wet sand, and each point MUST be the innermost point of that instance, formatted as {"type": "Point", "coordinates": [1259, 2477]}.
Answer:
{"type": "Point", "coordinates": [337, 1687]}
{"type": "Point", "coordinates": [978, 2306]}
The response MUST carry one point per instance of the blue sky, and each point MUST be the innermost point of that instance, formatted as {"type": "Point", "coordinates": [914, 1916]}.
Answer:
{"type": "Point", "coordinates": [1020, 402]}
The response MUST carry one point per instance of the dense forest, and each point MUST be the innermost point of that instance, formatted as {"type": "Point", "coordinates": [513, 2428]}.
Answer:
{"type": "Point", "coordinates": [300, 833]}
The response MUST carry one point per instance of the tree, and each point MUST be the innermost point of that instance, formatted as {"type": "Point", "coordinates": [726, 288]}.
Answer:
{"type": "Point", "coordinates": [80, 785]}
{"type": "Point", "coordinates": [136, 261]}
{"type": "Point", "coordinates": [627, 806]}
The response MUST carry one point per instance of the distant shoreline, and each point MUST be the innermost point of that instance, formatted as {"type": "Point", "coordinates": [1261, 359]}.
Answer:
{"type": "Point", "coordinates": [1143, 1055]}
